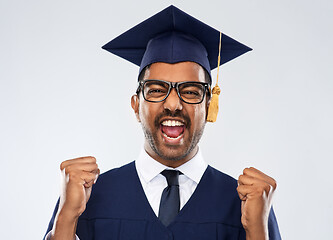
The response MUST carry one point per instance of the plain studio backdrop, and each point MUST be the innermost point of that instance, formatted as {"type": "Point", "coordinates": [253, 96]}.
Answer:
{"type": "Point", "coordinates": [62, 97]}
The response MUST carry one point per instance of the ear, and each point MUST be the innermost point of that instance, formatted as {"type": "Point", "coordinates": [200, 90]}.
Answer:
{"type": "Point", "coordinates": [135, 106]}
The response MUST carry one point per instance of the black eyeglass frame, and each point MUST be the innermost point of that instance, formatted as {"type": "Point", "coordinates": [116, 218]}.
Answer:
{"type": "Point", "coordinates": [171, 86]}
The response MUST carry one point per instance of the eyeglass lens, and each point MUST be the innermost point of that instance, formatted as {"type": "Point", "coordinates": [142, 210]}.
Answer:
{"type": "Point", "coordinates": [155, 91]}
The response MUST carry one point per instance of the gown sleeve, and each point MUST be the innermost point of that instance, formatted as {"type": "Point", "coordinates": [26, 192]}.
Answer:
{"type": "Point", "coordinates": [273, 228]}
{"type": "Point", "coordinates": [49, 228]}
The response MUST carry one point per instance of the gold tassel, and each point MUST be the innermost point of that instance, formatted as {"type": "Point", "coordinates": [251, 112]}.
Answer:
{"type": "Point", "coordinates": [214, 105]}
{"type": "Point", "coordinates": [213, 108]}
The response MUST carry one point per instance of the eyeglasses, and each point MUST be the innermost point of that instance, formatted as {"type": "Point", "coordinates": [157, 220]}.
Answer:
{"type": "Point", "coordinates": [158, 90]}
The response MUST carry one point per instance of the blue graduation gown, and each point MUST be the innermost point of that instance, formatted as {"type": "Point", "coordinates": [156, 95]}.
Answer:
{"type": "Point", "coordinates": [118, 209]}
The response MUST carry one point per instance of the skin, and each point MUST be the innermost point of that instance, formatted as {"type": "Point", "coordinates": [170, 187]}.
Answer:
{"type": "Point", "coordinates": [255, 189]}
{"type": "Point", "coordinates": [152, 114]}
{"type": "Point", "coordinates": [78, 175]}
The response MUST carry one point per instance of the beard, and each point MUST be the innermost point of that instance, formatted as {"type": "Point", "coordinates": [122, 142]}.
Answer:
{"type": "Point", "coordinates": [172, 152]}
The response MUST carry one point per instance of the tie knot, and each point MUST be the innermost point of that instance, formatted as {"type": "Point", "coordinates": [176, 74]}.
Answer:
{"type": "Point", "coordinates": [171, 177]}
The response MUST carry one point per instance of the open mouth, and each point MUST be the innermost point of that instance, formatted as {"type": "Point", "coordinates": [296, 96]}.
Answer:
{"type": "Point", "coordinates": [172, 129]}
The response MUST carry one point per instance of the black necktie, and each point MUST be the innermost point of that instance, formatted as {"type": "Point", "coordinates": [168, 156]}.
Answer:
{"type": "Point", "coordinates": [169, 205]}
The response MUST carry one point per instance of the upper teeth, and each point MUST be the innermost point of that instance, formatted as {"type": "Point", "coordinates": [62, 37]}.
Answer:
{"type": "Point", "coordinates": [172, 123]}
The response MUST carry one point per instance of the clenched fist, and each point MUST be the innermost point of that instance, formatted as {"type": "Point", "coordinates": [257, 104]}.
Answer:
{"type": "Point", "coordinates": [78, 177]}
{"type": "Point", "coordinates": [255, 189]}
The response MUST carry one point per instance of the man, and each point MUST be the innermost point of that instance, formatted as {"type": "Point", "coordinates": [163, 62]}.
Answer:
{"type": "Point", "coordinates": [169, 192]}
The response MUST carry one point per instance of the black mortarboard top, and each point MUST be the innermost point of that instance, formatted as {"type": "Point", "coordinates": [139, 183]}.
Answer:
{"type": "Point", "coordinates": [173, 36]}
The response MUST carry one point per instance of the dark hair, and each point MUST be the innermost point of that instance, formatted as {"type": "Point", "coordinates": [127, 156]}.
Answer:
{"type": "Point", "coordinates": [143, 72]}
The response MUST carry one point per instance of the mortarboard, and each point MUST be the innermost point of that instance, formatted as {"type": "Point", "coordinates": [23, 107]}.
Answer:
{"type": "Point", "coordinates": [173, 36]}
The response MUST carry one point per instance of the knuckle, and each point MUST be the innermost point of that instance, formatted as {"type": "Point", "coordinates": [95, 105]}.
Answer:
{"type": "Point", "coordinates": [68, 169]}
{"type": "Point", "coordinates": [267, 188]}
{"type": "Point", "coordinates": [62, 166]}
{"type": "Point", "coordinates": [92, 158]}
{"type": "Point", "coordinates": [240, 177]}
{"type": "Point", "coordinates": [246, 170]}
{"type": "Point", "coordinates": [239, 189]}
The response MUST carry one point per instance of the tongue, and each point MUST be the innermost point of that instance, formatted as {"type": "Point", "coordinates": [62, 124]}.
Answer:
{"type": "Point", "coordinates": [173, 131]}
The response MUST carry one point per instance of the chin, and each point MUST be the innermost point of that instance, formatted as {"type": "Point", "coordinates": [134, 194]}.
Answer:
{"type": "Point", "coordinates": [172, 152]}
{"type": "Point", "coordinates": [174, 158]}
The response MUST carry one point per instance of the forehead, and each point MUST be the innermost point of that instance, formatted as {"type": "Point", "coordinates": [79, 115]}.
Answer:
{"type": "Point", "coordinates": [176, 72]}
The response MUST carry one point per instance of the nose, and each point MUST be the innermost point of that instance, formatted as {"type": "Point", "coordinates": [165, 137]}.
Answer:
{"type": "Point", "coordinates": [173, 102]}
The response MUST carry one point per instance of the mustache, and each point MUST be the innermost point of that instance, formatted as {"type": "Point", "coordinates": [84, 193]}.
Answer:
{"type": "Point", "coordinates": [168, 113]}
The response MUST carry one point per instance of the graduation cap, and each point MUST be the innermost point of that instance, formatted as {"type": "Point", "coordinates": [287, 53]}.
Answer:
{"type": "Point", "coordinates": [173, 36]}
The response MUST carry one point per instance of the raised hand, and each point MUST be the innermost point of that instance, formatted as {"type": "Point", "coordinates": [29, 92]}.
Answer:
{"type": "Point", "coordinates": [255, 189]}
{"type": "Point", "coordinates": [78, 177]}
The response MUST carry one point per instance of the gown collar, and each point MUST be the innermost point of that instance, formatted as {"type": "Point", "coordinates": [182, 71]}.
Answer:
{"type": "Point", "coordinates": [149, 168]}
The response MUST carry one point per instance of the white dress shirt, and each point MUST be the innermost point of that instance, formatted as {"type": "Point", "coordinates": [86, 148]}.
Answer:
{"type": "Point", "coordinates": [153, 182]}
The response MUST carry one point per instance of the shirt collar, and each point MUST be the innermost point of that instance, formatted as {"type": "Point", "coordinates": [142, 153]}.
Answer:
{"type": "Point", "coordinates": [149, 168]}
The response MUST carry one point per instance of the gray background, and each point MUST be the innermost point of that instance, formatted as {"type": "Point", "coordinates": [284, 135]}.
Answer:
{"type": "Point", "coordinates": [62, 96]}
